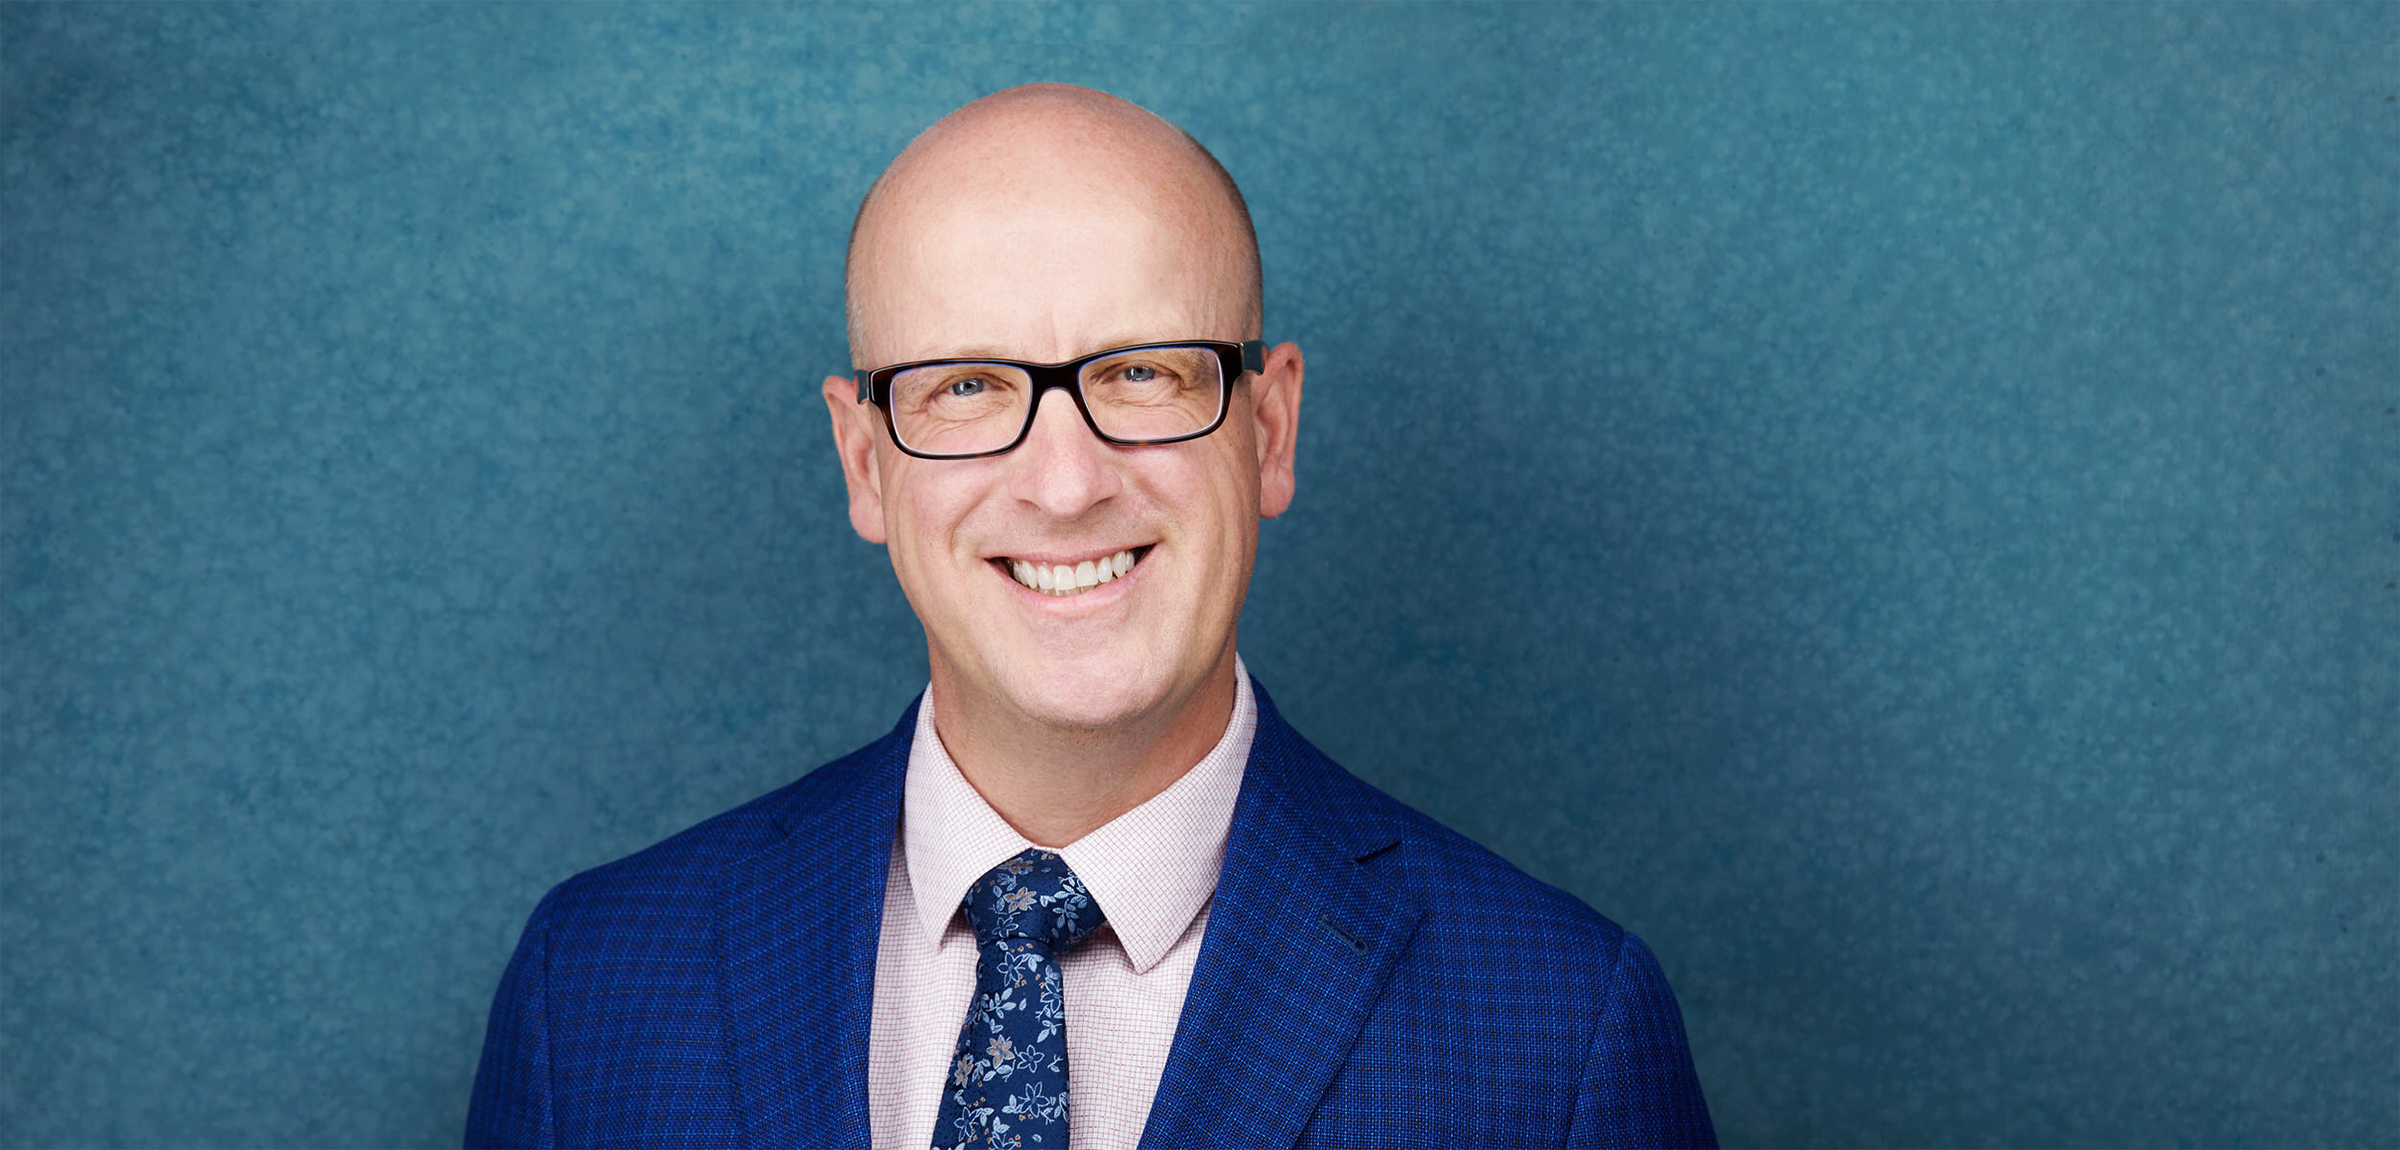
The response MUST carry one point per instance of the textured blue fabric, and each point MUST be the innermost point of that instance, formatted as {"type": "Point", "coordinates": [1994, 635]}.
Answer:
{"type": "Point", "coordinates": [1008, 1085]}
{"type": "Point", "coordinates": [1369, 978]}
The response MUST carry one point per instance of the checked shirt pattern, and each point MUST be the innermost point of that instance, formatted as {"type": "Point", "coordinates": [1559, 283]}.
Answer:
{"type": "Point", "coordinates": [1008, 1080]}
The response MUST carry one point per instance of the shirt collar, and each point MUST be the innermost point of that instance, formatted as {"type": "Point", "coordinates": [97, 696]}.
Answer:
{"type": "Point", "coordinates": [1150, 869]}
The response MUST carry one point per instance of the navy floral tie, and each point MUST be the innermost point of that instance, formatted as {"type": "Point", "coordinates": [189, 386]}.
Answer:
{"type": "Point", "coordinates": [1008, 1082]}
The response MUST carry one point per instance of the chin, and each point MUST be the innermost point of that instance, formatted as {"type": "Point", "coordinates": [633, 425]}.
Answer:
{"type": "Point", "coordinates": [1086, 693]}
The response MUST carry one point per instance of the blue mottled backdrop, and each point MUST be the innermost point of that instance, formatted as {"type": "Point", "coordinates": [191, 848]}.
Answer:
{"type": "Point", "coordinates": [1899, 506]}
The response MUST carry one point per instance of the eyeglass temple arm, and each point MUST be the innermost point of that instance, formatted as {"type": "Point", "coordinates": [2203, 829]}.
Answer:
{"type": "Point", "coordinates": [1254, 358]}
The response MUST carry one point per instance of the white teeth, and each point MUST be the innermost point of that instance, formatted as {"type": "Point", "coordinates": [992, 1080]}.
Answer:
{"type": "Point", "coordinates": [1061, 579]}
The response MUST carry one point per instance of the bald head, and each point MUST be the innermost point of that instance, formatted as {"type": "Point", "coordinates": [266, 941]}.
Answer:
{"type": "Point", "coordinates": [1025, 183]}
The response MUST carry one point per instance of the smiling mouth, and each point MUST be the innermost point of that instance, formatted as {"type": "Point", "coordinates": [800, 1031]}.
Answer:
{"type": "Point", "coordinates": [1062, 580]}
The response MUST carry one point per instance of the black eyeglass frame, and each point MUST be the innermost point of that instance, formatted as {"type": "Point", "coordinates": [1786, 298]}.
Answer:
{"type": "Point", "coordinates": [1233, 360]}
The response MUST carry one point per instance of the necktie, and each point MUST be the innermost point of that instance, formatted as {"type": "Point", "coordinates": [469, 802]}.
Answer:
{"type": "Point", "coordinates": [1008, 1080]}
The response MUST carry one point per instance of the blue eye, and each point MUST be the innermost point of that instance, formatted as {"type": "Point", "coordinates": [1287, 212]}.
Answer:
{"type": "Point", "coordinates": [1141, 373]}
{"type": "Point", "coordinates": [968, 388]}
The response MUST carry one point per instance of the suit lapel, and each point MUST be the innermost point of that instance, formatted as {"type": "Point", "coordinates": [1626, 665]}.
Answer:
{"type": "Point", "coordinates": [798, 924]}
{"type": "Point", "coordinates": [1299, 945]}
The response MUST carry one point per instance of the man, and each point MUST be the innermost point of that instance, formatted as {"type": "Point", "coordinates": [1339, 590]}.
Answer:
{"type": "Point", "coordinates": [1091, 891]}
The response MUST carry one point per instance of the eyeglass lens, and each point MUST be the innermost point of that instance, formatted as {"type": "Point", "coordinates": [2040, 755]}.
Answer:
{"type": "Point", "coordinates": [966, 408]}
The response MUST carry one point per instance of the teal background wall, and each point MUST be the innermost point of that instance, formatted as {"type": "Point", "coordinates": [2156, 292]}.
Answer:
{"type": "Point", "coordinates": [1900, 506]}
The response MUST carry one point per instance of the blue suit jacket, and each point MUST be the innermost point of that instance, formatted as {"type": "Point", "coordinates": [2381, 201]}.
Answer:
{"type": "Point", "coordinates": [1368, 978]}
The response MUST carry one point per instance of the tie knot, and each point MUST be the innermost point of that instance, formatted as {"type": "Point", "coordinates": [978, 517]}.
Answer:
{"type": "Point", "coordinates": [1032, 896]}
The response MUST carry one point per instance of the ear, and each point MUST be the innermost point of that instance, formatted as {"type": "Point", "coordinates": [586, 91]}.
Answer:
{"type": "Point", "coordinates": [1275, 405]}
{"type": "Point", "coordinates": [857, 439]}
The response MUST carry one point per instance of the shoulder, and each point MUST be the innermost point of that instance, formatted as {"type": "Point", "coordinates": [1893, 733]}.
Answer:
{"type": "Point", "coordinates": [675, 879]}
{"type": "Point", "coordinates": [1474, 897]}
{"type": "Point", "coordinates": [1570, 1014]}
{"type": "Point", "coordinates": [1556, 1025]}
{"type": "Point", "coordinates": [1474, 902]}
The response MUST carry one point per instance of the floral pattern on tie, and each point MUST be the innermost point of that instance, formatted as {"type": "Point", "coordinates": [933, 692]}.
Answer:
{"type": "Point", "coordinates": [1008, 1082]}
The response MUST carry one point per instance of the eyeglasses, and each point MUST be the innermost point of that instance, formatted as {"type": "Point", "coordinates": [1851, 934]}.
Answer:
{"type": "Point", "coordinates": [1135, 396]}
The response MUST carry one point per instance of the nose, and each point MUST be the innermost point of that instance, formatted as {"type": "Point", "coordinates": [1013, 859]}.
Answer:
{"type": "Point", "coordinates": [1062, 468]}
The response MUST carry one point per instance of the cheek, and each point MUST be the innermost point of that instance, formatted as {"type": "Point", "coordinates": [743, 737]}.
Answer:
{"type": "Point", "coordinates": [1215, 502]}
{"type": "Point", "coordinates": [1234, 480]}
{"type": "Point", "coordinates": [921, 518]}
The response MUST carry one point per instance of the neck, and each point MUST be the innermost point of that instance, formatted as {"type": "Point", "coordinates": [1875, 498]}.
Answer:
{"type": "Point", "coordinates": [1055, 785]}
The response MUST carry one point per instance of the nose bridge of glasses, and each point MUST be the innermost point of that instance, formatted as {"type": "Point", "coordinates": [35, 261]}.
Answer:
{"type": "Point", "coordinates": [1065, 384]}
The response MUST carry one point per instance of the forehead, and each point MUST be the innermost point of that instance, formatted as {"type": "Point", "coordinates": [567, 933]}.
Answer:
{"type": "Point", "coordinates": [1043, 252]}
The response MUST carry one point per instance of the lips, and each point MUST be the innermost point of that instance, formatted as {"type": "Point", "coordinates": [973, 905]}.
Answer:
{"type": "Point", "coordinates": [1068, 579]}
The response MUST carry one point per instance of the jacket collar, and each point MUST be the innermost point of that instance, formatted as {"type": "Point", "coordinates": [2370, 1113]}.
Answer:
{"type": "Point", "coordinates": [797, 924]}
{"type": "Point", "coordinates": [1301, 939]}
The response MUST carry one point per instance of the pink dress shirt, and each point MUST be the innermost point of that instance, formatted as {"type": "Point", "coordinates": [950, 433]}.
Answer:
{"type": "Point", "coordinates": [1151, 869]}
